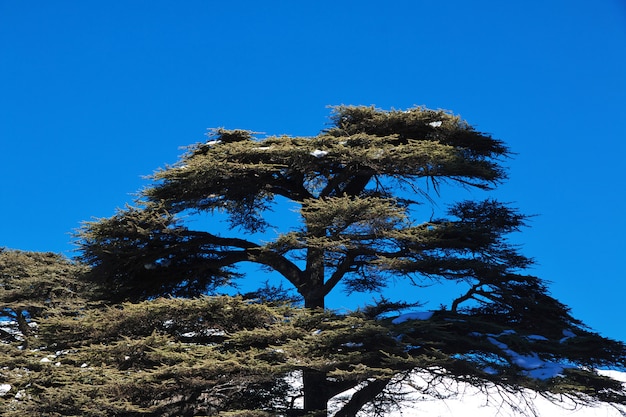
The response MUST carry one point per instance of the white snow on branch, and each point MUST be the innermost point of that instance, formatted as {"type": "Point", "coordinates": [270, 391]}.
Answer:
{"type": "Point", "coordinates": [319, 153]}
{"type": "Point", "coordinates": [435, 124]}
{"type": "Point", "coordinates": [532, 364]}
{"type": "Point", "coordinates": [352, 345]}
{"type": "Point", "coordinates": [205, 332]}
{"type": "Point", "coordinates": [213, 142]}
{"type": "Point", "coordinates": [4, 388]}
{"type": "Point", "coordinates": [416, 315]}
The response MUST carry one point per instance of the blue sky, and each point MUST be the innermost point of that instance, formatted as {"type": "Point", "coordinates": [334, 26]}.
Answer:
{"type": "Point", "coordinates": [96, 94]}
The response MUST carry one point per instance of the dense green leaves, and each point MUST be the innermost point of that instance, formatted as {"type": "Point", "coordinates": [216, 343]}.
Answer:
{"type": "Point", "coordinates": [160, 358]}
{"type": "Point", "coordinates": [213, 355]}
{"type": "Point", "coordinates": [35, 285]}
{"type": "Point", "coordinates": [356, 227]}
{"type": "Point", "coordinates": [365, 192]}
{"type": "Point", "coordinates": [149, 245]}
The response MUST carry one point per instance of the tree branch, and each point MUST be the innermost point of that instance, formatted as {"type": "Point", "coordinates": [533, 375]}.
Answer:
{"type": "Point", "coordinates": [223, 241]}
{"type": "Point", "coordinates": [362, 397]}
{"type": "Point", "coordinates": [468, 295]}
{"type": "Point", "coordinates": [277, 262]}
{"type": "Point", "coordinates": [290, 188]}
{"type": "Point", "coordinates": [358, 182]}
{"type": "Point", "coordinates": [338, 274]}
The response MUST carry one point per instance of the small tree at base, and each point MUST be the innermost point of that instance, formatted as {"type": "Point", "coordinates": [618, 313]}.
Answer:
{"type": "Point", "coordinates": [361, 188]}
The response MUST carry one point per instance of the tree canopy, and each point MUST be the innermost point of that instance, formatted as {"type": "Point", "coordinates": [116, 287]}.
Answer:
{"type": "Point", "coordinates": [356, 184]}
{"type": "Point", "coordinates": [363, 191]}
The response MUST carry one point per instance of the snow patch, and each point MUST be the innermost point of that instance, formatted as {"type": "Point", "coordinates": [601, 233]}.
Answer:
{"type": "Point", "coordinates": [450, 398]}
{"type": "Point", "coordinates": [532, 364]}
{"type": "Point", "coordinates": [352, 345]}
{"type": "Point", "coordinates": [4, 388]}
{"type": "Point", "coordinates": [416, 315]}
{"type": "Point", "coordinates": [204, 332]}
{"type": "Point", "coordinates": [319, 153]}
{"type": "Point", "coordinates": [435, 124]}
{"type": "Point", "coordinates": [456, 399]}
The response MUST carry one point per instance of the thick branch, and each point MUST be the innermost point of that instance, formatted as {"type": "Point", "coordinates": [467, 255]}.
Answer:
{"type": "Point", "coordinates": [362, 397]}
{"type": "Point", "coordinates": [340, 271]}
{"type": "Point", "coordinates": [332, 187]}
{"type": "Point", "coordinates": [290, 188]}
{"type": "Point", "coordinates": [468, 295]}
{"type": "Point", "coordinates": [264, 257]}
{"type": "Point", "coordinates": [337, 387]}
{"type": "Point", "coordinates": [277, 262]}
{"type": "Point", "coordinates": [223, 241]}
{"type": "Point", "coordinates": [355, 183]}
{"type": "Point", "coordinates": [358, 183]}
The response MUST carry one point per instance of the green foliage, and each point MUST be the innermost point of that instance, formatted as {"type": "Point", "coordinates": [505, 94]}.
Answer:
{"type": "Point", "coordinates": [34, 282]}
{"type": "Point", "coordinates": [166, 357]}
{"type": "Point", "coordinates": [34, 285]}
{"type": "Point", "coordinates": [356, 228]}
{"type": "Point", "coordinates": [364, 190]}
{"type": "Point", "coordinates": [150, 245]}
{"type": "Point", "coordinates": [231, 356]}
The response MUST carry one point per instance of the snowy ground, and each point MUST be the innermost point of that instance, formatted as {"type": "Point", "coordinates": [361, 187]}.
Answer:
{"type": "Point", "coordinates": [452, 399]}
{"type": "Point", "coordinates": [473, 403]}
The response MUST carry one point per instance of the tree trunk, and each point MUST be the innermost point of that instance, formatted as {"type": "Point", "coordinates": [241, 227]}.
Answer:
{"type": "Point", "coordinates": [314, 382]}
{"type": "Point", "coordinates": [315, 392]}
{"type": "Point", "coordinates": [314, 301]}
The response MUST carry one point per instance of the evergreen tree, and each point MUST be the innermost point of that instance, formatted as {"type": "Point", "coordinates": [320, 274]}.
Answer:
{"type": "Point", "coordinates": [363, 189]}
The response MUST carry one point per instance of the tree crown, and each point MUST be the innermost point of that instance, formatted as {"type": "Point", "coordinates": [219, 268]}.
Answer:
{"type": "Point", "coordinates": [362, 190]}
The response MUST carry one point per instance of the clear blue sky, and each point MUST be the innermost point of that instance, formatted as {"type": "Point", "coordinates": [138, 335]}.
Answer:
{"type": "Point", "coordinates": [95, 94]}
